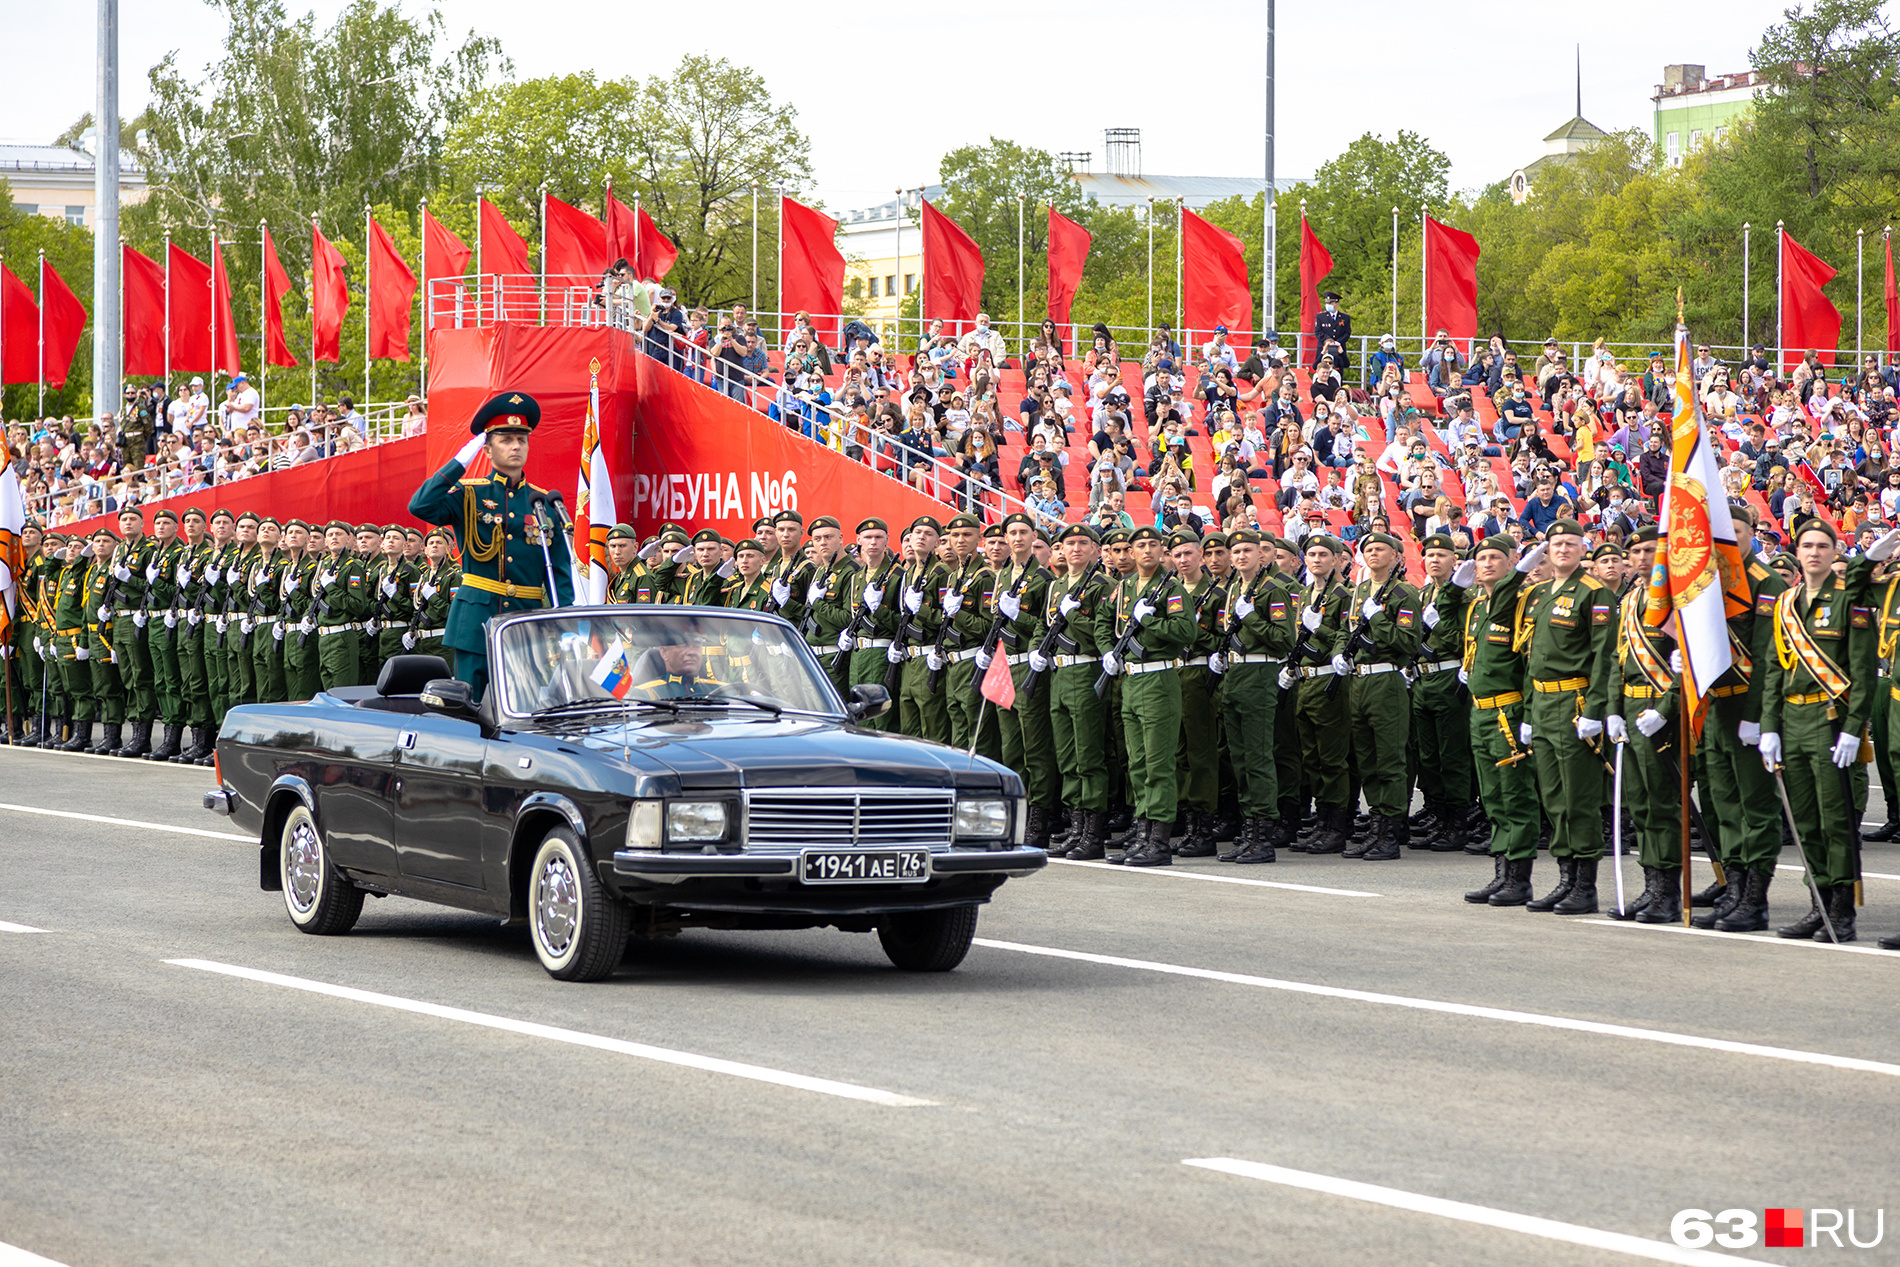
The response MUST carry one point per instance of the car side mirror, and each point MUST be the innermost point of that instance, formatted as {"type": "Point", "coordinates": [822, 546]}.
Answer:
{"type": "Point", "coordinates": [451, 697]}
{"type": "Point", "coordinates": [868, 700]}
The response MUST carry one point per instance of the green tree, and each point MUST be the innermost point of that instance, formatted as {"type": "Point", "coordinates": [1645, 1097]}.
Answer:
{"type": "Point", "coordinates": [68, 250]}
{"type": "Point", "coordinates": [983, 187]}
{"type": "Point", "coordinates": [1834, 78]}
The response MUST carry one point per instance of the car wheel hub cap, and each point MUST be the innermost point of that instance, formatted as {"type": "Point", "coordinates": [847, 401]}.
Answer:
{"type": "Point", "coordinates": [557, 906]}
{"type": "Point", "coordinates": [304, 866]}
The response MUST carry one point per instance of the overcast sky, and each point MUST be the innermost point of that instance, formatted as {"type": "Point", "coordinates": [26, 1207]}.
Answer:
{"type": "Point", "coordinates": [884, 98]}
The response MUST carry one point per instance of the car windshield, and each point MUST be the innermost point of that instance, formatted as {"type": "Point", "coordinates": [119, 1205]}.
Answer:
{"type": "Point", "coordinates": [604, 658]}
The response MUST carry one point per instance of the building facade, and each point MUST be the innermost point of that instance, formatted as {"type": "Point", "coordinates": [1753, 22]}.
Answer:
{"type": "Point", "coordinates": [57, 181]}
{"type": "Point", "coordinates": [1693, 110]}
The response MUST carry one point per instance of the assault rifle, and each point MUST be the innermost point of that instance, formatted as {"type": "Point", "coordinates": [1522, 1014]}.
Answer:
{"type": "Point", "coordinates": [943, 633]}
{"type": "Point", "coordinates": [1128, 642]}
{"type": "Point", "coordinates": [864, 617]}
{"type": "Point", "coordinates": [1361, 639]}
{"type": "Point", "coordinates": [1058, 635]}
{"type": "Point", "coordinates": [1303, 648]}
{"type": "Point", "coordinates": [907, 628]}
{"type": "Point", "coordinates": [999, 627]}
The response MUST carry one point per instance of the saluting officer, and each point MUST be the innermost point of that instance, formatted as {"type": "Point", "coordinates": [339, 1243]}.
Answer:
{"type": "Point", "coordinates": [1441, 707]}
{"type": "Point", "coordinates": [1078, 717]}
{"type": "Point", "coordinates": [1258, 626]}
{"type": "Point", "coordinates": [1494, 672]}
{"type": "Point", "coordinates": [501, 536]}
{"type": "Point", "coordinates": [1372, 650]}
{"type": "Point", "coordinates": [1151, 611]}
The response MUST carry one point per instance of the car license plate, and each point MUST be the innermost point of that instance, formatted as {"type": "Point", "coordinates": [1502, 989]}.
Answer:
{"type": "Point", "coordinates": [866, 866]}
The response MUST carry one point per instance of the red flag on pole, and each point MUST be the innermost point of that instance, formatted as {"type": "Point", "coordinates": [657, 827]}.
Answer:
{"type": "Point", "coordinates": [1316, 262]}
{"type": "Point", "coordinates": [392, 290]}
{"type": "Point", "coordinates": [19, 330]}
{"type": "Point", "coordinates": [502, 254]}
{"type": "Point", "coordinates": [953, 272]}
{"type": "Point", "coordinates": [1068, 251]}
{"type": "Point", "coordinates": [276, 286]}
{"type": "Point", "coordinates": [654, 251]}
{"type": "Point", "coordinates": [65, 322]}
{"type": "Point", "coordinates": [999, 687]}
{"type": "Point", "coordinates": [227, 360]}
{"type": "Point", "coordinates": [576, 243]}
{"type": "Point", "coordinates": [812, 279]}
{"type": "Point", "coordinates": [1892, 294]}
{"type": "Point", "coordinates": [1809, 319]}
{"type": "Point", "coordinates": [447, 256]}
{"type": "Point", "coordinates": [329, 296]}
{"type": "Point", "coordinates": [144, 309]}
{"type": "Point", "coordinates": [1451, 282]}
{"type": "Point", "coordinates": [1214, 288]}
{"type": "Point", "coordinates": [188, 280]}
{"type": "Point", "coordinates": [622, 242]}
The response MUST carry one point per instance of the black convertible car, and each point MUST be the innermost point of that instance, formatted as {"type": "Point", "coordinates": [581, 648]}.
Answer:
{"type": "Point", "coordinates": [631, 769]}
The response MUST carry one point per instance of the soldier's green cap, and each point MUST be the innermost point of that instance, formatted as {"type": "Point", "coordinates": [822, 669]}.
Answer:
{"type": "Point", "coordinates": [408, 531]}
{"type": "Point", "coordinates": [434, 533]}
{"type": "Point", "coordinates": [761, 526]}
{"type": "Point", "coordinates": [389, 528]}
{"type": "Point", "coordinates": [296, 523]}
{"type": "Point", "coordinates": [1147, 532]}
{"type": "Point", "coordinates": [1215, 539]}
{"type": "Point", "coordinates": [165, 512]}
{"type": "Point", "coordinates": [750, 543]}
{"type": "Point", "coordinates": [359, 530]}
{"type": "Point", "coordinates": [130, 510]}
{"type": "Point", "coordinates": [993, 532]}
{"type": "Point", "coordinates": [219, 513]}
{"type": "Point", "coordinates": [338, 523]}
{"type": "Point", "coordinates": [1502, 542]}
{"type": "Point", "coordinates": [1563, 528]}
{"type": "Point", "coordinates": [1817, 525]}
{"type": "Point", "coordinates": [671, 527]}
{"type": "Point", "coordinates": [193, 510]}
{"type": "Point", "coordinates": [925, 521]}
{"type": "Point", "coordinates": [793, 517]}
{"type": "Point", "coordinates": [1116, 536]}
{"type": "Point", "coordinates": [708, 534]}
{"type": "Point", "coordinates": [1042, 535]}
{"type": "Point", "coordinates": [1382, 538]}
{"type": "Point", "coordinates": [823, 521]}
{"type": "Point", "coordinates": [251, 515]}
{"type": "Point", "coordinates": [1608, 550]}
{"type": "Point", "coordinates": [622, 532]}
{"type": "Point", "coordinates": [1245, 537]}
{"type": "Point", "coordinates": [1326, 542]}
{"type": "Point", "coordinates": [1439, 541]}
{"type": "Point", "coordinates": [1645, 534]}
{"type": "Point", "coordinates": [1010, 521]}
{"type": "Point", "coordinates": [270, 519]}
{"type": "Point", "coordinates": [1785, 560]}
{"type": "Point", "coordinates": [1183, 537]}
{"type": "Point", "coordinates": [1083, 531]}
{"type": "Point", "coordinates": [1280, 543]}
{"type": "Point", "coordinates": [963, 521]}
{"type": "Point", "coordinates": [510, 411]}
{"type": "Point", "coordinates": [871, 524]}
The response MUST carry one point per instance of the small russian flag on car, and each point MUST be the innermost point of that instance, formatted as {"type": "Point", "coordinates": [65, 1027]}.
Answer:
{"type": "Point", "coordinates": [613, 674]}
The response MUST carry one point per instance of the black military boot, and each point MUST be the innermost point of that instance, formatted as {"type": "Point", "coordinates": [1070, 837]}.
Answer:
{"type": "Point", "coordinates": [1640, 903]}
{"type": "Point", "coordinates": [140, 741]}
{"type": "Point", "coordinates": [1242, 838]}
{"type": "Point", "coordinates": [1750, 912]}
{"type": "Point", "coordinates": [1360, 843]}
{"type": "Point", "coordinates": [167, 745]}
{"type": "Point", "coordinates": [1036, 830]}
{"type": "Point", "coordinates": [1121, 819]}
{"type": "Point", "coordinates": [1808, 925]}
{"type": "Point", "coordinates": [1334, 823]}
{"type": "Point", "coordinates": [1566, 880]}
{"type": "Point", "coordinates": [1152, 851]}
{"type": "Point", "coordinates": [1840, 909]}
{"type": "Point", "coordinates": [1200, 837]}
{"type": "Point", "coordinates": [1259, 835]}
{"type": "Point", "coordinates": [55, 733]}
{"type": "Point", "coordinates": [81, 740]}
{"type": "Point", "coordinates": [1710, 896]}
{"type": "Point", "coordinates": [1582, 899]}
{"type": "Point", "coordinates": [1450, 835]}
{"type": "Point", "coordinates": [1889, 943]}
{"type": "Point", "coordinates": [1480, 896]}
{"type": "Point", "coordinates": [1516, 889]}
{"type": "Point", "coordinates": [1665, 898]}
{"type": "Point", "coordinates": [1227, 823]}
{"type": "Point", "coordinates": [113, 740]}
{"type": "Point", "coordinates": [1727, 897]}
{"type": "Point", "coordinates": [1391, 839]}
{"type": "Point", "coordinates": [1131, 840]}
{"type": "Point", "coordinates": [1886, 831]}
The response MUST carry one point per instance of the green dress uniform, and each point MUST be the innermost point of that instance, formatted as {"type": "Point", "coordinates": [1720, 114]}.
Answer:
{"type": "Point", "coordinates": [32, 635]}
{"type": "Point", "coordinates": [339, 600]}
{"type": "Point", "coordinates": [1379, 644]}
{"type": "Point", "coordinates": [395, 602]}
{"type": "Point", "coordinates": [1641, 682]}
{"type": "Point", "coordinates": [194, 630]}
{"type": "Point", "coordinates": [215, 597]}
{"type": "Point", "coordinates": [1151, 703]}
{"type": "Point", "coordinates": [1197, 753]}
{"type": "Point", "coordinates": [165, 632]}
{"type": "Point", "coordinates": [131, 570]}
{"type": "Point", "coordinates": [264, 625]}
{"type": "Point", "coordinates": [1441, 715]}
{"type": "Point", "coordinates": [827, 603]}
{"type": "Point", "coordinates": [921, 712]}
{"type": "Point", "coordinates": [500, 540]}
{"type": "Point", "coordinates": [71, 621]}
{"type": "Point", "coordinates": [303, 676]}
{"type": "Point", "coordinates": [1495, 673]}
{"type": "Point", "coordinates": [240, 681]}
{"type": "Point", "coordinates": [1028, 746]}
{"type": "Point", "coordinates": [1260, 623]}
{"type": "Point", "coordinates": [369, 652]}
{"type": "Point", "coordinates": [108, 692]}
{"type": "Point", "coordinates": [434, 591]}
{"type": "Point", "coordinates": [967, 598]}
{"type": "Point", "coordinates": [1078, 717]}
{"type": "Point", "coordinates": [874, 628]}
{"type": "Point", "coordinates": [1817, 694]}
{"type": "Point", "coordinates": [1325, 736]}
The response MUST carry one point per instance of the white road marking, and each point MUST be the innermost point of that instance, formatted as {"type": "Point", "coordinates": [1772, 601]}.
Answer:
{"type": "Point", "coordinates": [18, 928]}
{"type": "Point", "coordinates": [1216, 879]}
{"type": "Point", "coordinates": [711, 1064]}
{"type": "Point", "coordinates": [1464, 1009]}
{"type": "Point", "coordinates": [127, 822]}
{"type": "Point", "coordinates": [1509, 1221]}
{"type": "Point", "coordinates": [1865, 875]}
{"type": "Point", "coordinates": [14, 1256]}
{"type": "Point", "coordinates": [1766, 939]}
{"type": "Point", "coordinates": [141, 762]}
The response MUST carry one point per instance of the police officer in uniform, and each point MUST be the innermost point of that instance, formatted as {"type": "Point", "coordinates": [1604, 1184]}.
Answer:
{"type": "Point", "coordinates": [1372, 651]}
{"type": "Point", "coordinates": [501, 530]}
{"type": "Point", "coordinates": [1258, 626]}
{"type": "Point", "coordinates": [1331, 326]}
{"type": "Point", "coordinates": [1152, 612]}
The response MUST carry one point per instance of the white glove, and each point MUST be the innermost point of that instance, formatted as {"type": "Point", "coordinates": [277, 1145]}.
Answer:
{"type": "Point", "coordinates": [683, 555]}
{"type": "Point", "coordinates": [1287, 678]}
{"type": "Point", "coordinates": [1069, 605]}
{"type": "Point", "coordinates": [1884, 547]}
{"type": "Point", "coordinates": [1464, 678]}
{"type": "Point", "coordinates": [220, 622]}
{"type": "Point", "coordinates": [1038, 661]}
{"type": "Point", "coordinates": [1588, 728]}
{"type": "Point", "coordinates": [1310, 618]}
{"type": "Point", "coordinates": [1749, 732]}
{"type": "Point", "coordinates": [934, 660]}
{"type": "Point", "coordinates": [105, 613]}
{"type": "Point", "coordinates": [193, 616]}
{"type": "Point", "coordinates": [781, 593]}
{"type": "Point", "coordinates": [233, 574]}
{"type": "Point", "coordinates": [1243, 607]}
{"type": "Point", "coordinates": [80, 651]}
{"type": "Point", "coordinates": [184, 573]}
{"type": "Point", "coordinates": [468, 451]}
{"type": "Point", "coordinates": [1111, 663]}
{"type": "Point", "coordinates": [727, 568]}
{"type": "Point", "coordinates": [325, 580]}
{"type": "Point", "coordinates": [1465, 574]}
{"type": "Point", "coordinates": [1675, 661]}
{"type": "Point", "coordinates": [844, 642]}
{"type": "Point", "coordinates": [1524, 733]}
{"type": "Point", "coordinates": [1430, 617]}
{"type": "Point", "coordinates": [1846, 750]}
{"type": "Point", "coordinates": [171, 619]}
{"type": "Point", "coordinates": [1143, 609]}
{"type": "Point", "coordinates": [307, 625]}
{"type": "Point", "coordinates": [873, 597]}
{"type": "Point", "coordinates": [429, 591]}
{"type": "Point", "coordinates": [211, 574]}
{"type": "Point", "coordinates": [139, 618]}
{"type": "Point", "coordinates": [372, 626]}
{"type": "Point", "coordinates": [1649, 721]}
{"type": "Point", "coordinates": [814, 592]}
{"type": "Point", "coordinates": [1770, 750]}
{"type": "Point", "coordinates": [1011, 605]}
{"type": "Point", "coordinates": [913, 601]}
{"type": "Point", "coordinates": [1217, 663]}
{"type": "Point", "coordinates": [894, 654]}
{"type": "Point", "coordinates": [952, 602]}
{"type": "Point", "coordinates": [277, 631]}
{"type": "Point", "coordinates": [39, 648]}
{"type": "Point", "coordinates": [389, 587]}
{"type": "Point", "coordinates": [982, 659]}
{"type": "Point", "coordinates": [122, 572]}
{"type": "Point", "coordinates": [1529, 562]}
{"type": "Point", "coordinates": [1370, 608]}
{"type": "Point", "coordinates": [1342, 666]}
{"type": "Point", "coordinates": [151, 572]}
{"type": "Point", "coordinates": [648, 550]}
{"type": "Point", "coordinates": [247, 625]}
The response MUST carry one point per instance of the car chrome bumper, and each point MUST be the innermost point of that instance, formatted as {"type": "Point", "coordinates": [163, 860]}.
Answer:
{"type": "Point", "coordinates": [671, 868]}
{"type": "Point", "coordinates": [222, 801]}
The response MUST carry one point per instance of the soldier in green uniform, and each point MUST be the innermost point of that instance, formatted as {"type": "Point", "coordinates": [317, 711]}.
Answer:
{"type": "Point", "coordinates": [339, 599]}
{"type": "Point", "coordinates": [501, 534]}
{"type": "Point", "coordinates": [395, 594]}
{"type": "Point", "coordinates": [707, 575]}
{"type": "Point", "coordinates": [870, 598]}
{"type": "Point", "coordinates": [212, 601]}
{"type": "Point", "coordinates": [126, 587]}
{"type": "Point", "coordinates": [1817, 692]}
{"type": "Point", "coordinates": [165, 629]}
{"type": "Point", "coordinates": [1320, 699]}
{"type": "Point", "coordinates": [1028, 746]}
{"type": "Point", "coordinates": [40, 589]}
{"type": "Point", "coordinates": [1372, 651]}
{"type": "Point", "coordinates": [192, 575]}
{"type": "Point", "coordinates": [1289, 773]}
{"type": "Point", "coordinates": [303, 676]}
{"type": "Point", "coordinates": [1150, 605]}
{"type": "Point", "coordinates": [1079, 602]}
{"type": "Point", "coordinates": [664, 581]}
{"type": "Point", "coordinates": [623, 545]}
{"type": "Point", "coordinates": [264, 617]}
{"type": "Point", "coordinates": [30, 637]}
{"type": "Point", "coordinates": [823, 610]}
{"type": "Point", "coordinates": [1258, 625]}
{"type": "Point", "coordinates": [951, 660]}
{"type": "Point", "coordinates": [434, 590]}
{"type": "Point", "coordinates": [240, 682]}
{"type": "Point", "coordinates": [72, 618]}
{"type": "Point", "coordinates": [1494, 673]}
{"type": "Point", "coordinates": [108, 692]}
{"type": "Point", "coordinates": [1645, 698]}
{"type": "Point", "coordinates": [369, 549]}
{"type": "Point", "coordinates": [921, 711]}
{"type": "Point", "coordinates": [788, 567]}
{"type": "Point", "coordinates": [1568, 627]}
{"type": "Point", "coordinates": [746, 589]}
{"type": "Point", "coordinates": [1197, 755]}
{"type": "Point", "coordinates": [1441, 707]}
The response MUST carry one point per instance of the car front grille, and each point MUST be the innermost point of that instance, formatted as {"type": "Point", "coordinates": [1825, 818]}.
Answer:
{"type": "Point", "coordinates": [839, 818]}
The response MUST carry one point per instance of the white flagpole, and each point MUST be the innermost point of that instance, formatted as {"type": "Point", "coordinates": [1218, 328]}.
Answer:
{"type": "Point", "coordinates": [40, 369]}
{"type": "Point", "coordinates": [428, 317]}
{"type": "Point", "coordinates": [368, 249]}
{"type": "Point", "coordinates": [263, 338]}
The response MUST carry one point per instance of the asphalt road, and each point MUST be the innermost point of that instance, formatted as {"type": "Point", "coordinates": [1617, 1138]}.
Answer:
{"type": "Point", "coordinates": [1385, 1034]}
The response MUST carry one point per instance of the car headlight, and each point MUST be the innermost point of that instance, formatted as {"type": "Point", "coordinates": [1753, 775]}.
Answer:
{"type": "Point", "coordinates": [982, 820]}
{"type": "Point", "coordinates": [703, 821]}
{"type": "Point", "coordinates": [643, 825]}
